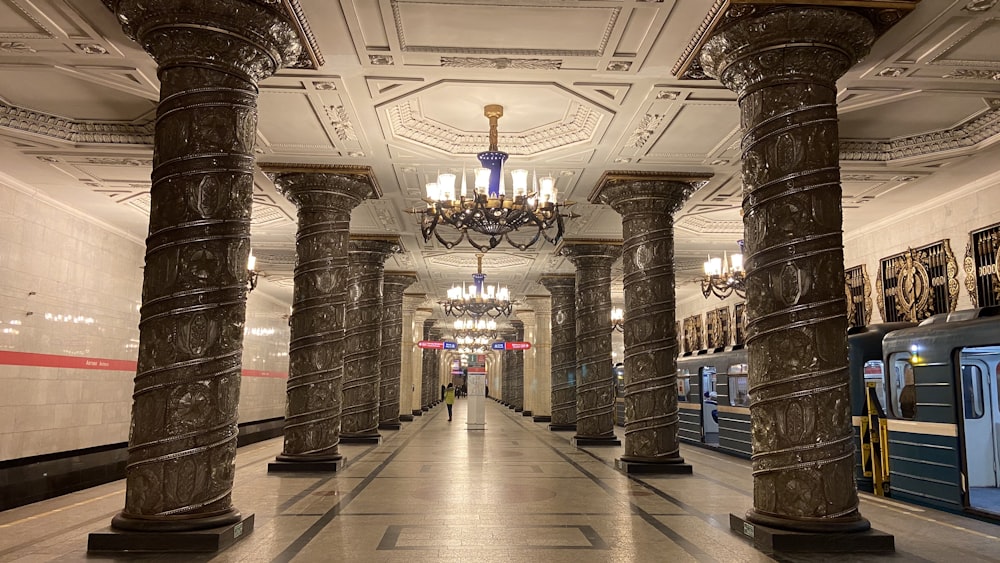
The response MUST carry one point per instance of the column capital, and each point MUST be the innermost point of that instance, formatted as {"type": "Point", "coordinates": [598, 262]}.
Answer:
{"type": "Point", "coordinates": [399, 280]}
{"type": "Point", "coordinates": [558, 283]}
{"type": "Point", "coordinates": [251, 37]}
{"type": "Point", "coordinates": [659, 192]}
{"type": "Point", "coordinates": [365, 248]}
{"type": "Point", "coordinates": [882, 15]}
{"type": "Point", "coordinates": [586, 253]}
{"type": "Point", "coordinates": [339, 187]}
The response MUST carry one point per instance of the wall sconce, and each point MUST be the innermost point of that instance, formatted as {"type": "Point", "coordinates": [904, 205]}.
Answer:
{"type": "Point", "coordinates": [252, 272]}
{"type": "Point", "coordinates": [618, 319]}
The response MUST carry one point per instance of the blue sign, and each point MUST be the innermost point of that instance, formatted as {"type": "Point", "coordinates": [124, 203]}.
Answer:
{"type": "Point", "coordinates": [450, 345]}
{"type": "Point", "coordinates": [498, 345]}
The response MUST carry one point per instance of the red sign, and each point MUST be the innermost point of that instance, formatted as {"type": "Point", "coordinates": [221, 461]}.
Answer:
{"type": "Point", "coordinates": [432, 344]}
{"type": "Point", "coordinates": [511, 345]}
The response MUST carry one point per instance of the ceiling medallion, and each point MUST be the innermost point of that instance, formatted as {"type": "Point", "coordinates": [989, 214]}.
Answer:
{"type": "Point", "coordinates": [489, 211]}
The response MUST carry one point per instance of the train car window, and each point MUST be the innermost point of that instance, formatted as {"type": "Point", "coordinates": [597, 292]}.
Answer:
{"type": "Point", "coordinates": [683, 385]}
{"type": "Point", "coordinates": [739, 385]}
{"type": "Point", "coordinates": [875, 373]}
{"type": "Point", "coordinates": [972, 392]}
{"type": "Point", "coordinates": [902, 386]}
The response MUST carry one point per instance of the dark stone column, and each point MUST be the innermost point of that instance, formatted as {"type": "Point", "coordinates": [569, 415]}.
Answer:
{"type": "Point", "coordinates": [647, 203]}
{"type": "Point", "coordinates": [517, 370]}
{"type": "Point", "coordinates": [391, 353]}
{"type": "Point", "coordinates": [430, 386]}
{"type": "Point", "coordinates": [595, 392]}
{"type": "Point", "coordinates": [507, 375]}
{"type": "Point", "coordinates": [363, 339]}
{"type": "Point", "coordinates": [784, 62]}
{"type": "Point", "coordinates": [182, 445]}
{"type": "Point", "coordinates": [563, 290]}
{"type": "Point", "coordinates": [325, 198]}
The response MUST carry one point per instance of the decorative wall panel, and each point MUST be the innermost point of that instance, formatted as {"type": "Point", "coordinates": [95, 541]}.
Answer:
{"type": "Point", "coordinates": [740, 324]}
{"type": "Point", "coordinates": [982, 266]}
{"type": "Point", "coordinates": [859, 296]}
{"type": "Point", "coordinates": [918, 283]}
{"type": "Point", "coordinates": [694, 331]}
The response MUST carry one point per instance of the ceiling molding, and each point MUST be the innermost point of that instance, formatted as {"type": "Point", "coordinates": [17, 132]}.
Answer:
{"type": "Point", "coordinates": [74, 131]}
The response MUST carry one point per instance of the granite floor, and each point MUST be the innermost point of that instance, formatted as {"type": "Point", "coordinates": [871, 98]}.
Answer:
{"type": "Point", "coordinates": [515, 492]}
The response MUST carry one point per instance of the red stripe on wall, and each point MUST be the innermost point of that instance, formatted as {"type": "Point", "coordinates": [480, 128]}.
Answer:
{"type": "Point", "coordinates": [78, 362]}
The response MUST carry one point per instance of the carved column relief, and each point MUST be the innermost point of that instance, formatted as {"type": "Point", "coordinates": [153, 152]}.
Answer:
{"type": "Point", "coordinates": [517, 369]}
{"type": "Point", "coordinates": [363, 339]}
{"type": "Point", "coordinates": [647, 206]}
{"type": "Point", "coordinates": [415, 365]}
{"type": "Point", "coordinates": [316, 345]}
{"type": "Point", "coordinates": [182, 445]}
{"type": "Point", "coordinates": [784, 62]}
{"type": "Point", "coordinates": [595, 396]}
{"type": "Point", "coordinates": [538, 374]}
{"type": "Point", "coordinates": [429, 391]}
{"type": "Point", "coordinates": [391, 352]}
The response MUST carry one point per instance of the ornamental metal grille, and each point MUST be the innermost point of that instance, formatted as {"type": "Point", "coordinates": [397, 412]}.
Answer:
{"type": "Point", "coordinates": [982, 272]}
{"type": "Point", "coordinates": [694, 331]}
{"type": "Point", "coordinates": [918, 283]}
{"type": "Point", "coordinates": [740, 323]}
{"type": "Point", "coordinates": [859, 301]}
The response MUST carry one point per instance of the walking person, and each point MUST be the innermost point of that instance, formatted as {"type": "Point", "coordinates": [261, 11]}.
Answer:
{"type": "Point", "coordinates": [449, 398]}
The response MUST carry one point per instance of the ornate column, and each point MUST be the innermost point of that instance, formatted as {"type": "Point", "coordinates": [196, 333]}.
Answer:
{"type": "Point", "coordinates": [507, 373]}
{"type": "Point", "coordinates": [391, 353]}
{"type": "Point", "coordinates": [783, 62]}
{"type": "Point", "coordinates": [647, 203]}
{"type": "Point", "coordinates": [595, 393]}
{"type": "Point", "coordinates": [431, 393]}
{"type": "Point", "coordinates": [324, 197]}
{"type": "Point", "coordinates": [182, 445]}
{"type": "Point", "coordinates": [416, 356]}
{"type": "Point", "coordinates": [363, 337]}
{"type": "Point", "coordinates": [563, 313]}
{"type": "Point", "coordinates": [538, 370]}
{"type": "Point", "coordinates": [517, 370]}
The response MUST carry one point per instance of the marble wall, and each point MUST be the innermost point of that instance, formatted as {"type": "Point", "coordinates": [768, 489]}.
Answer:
{"type": "Point", "coordinates": [69, 313]}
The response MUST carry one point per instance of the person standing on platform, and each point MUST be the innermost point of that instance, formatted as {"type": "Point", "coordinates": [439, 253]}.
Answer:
{"type": "Point", "coordinates": [449, 398]}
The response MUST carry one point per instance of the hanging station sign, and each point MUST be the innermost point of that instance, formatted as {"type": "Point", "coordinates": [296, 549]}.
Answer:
{"type": "Point", "coordinates": [511, 345]}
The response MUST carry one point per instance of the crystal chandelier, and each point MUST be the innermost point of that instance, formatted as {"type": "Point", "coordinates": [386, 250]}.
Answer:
{"type": "Point", "coordinates": [489, 210]}
{"type": "Point", "coordinates": [479, 331]}
{"type": "Point", "coordinates": [725, 276]}
{"type": "Point", "coordinates": [477, 300]}
{"type": "Point", "coordinates": [618, 319]}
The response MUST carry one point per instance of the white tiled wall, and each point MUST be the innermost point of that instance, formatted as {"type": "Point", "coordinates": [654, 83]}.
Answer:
{"type": "Point", "coordinates": [952, 220]}
{"type": "Point", "coordinates": [70, 287]}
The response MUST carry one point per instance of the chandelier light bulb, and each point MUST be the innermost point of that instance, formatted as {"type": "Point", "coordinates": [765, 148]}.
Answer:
{"type": "Point", "coordinates": [446, 187]}
{"type": "Point", "coordinates": [520, 182]}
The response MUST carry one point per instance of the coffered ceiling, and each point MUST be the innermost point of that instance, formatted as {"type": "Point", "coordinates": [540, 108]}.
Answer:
{"type": "Point", "coordinates": [586, 88]}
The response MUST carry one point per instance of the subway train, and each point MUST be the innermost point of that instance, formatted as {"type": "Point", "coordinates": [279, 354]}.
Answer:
{"type": "Point", "coordinates": [933, 437]}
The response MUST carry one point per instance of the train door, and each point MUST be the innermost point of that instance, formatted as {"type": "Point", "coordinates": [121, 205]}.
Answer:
{"type": "Point", "coordinates": [980, 417]}
{"type": "Point", "coordinates": [709, 406]}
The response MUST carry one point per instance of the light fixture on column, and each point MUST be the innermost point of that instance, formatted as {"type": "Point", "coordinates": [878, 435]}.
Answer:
{"type": "Point", "coordinates": [725, 276]}
{"type": "Point", "coordinates": [618, 319]}
{"type": "Point", "coordinates": [477, 300]}
{"type": "Point", "coordinates": [489, 210]}
{"type": "Point", "coordinates": [252, 272]}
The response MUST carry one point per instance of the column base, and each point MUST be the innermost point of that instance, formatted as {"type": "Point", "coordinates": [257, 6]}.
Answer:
{"type": "Point", "coordinates": [406, 418]}
{"type": "Point", "coordinates": [389, 426]}
{"type": "Point", "coordinates": [366, 438]}
{"type": "Point", "coordinates": [425, 409]}
{"type": "Point", "coordinates": [518, 409]}
{"type": "Point", "coordinates": [210, 540]}
{"type": "Point", "coordinates": [475, 426]}
{"type": "Point", "coordinates": [769, 540]}
{"type": "Point", "coordinates": [542, 418]}
{"type": "Point", "coordinates": [634, 467]}
{"type": "Point", "coordinates": [418, 412]}
{"type": "Point", "coordinates": [306, 466]}
{"type": "Point", "coordinates": [562, 427]}
{"type": "Point", "coordinates": [525, 413]}
{"type": "Point", "coordinates": [581, 441]}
